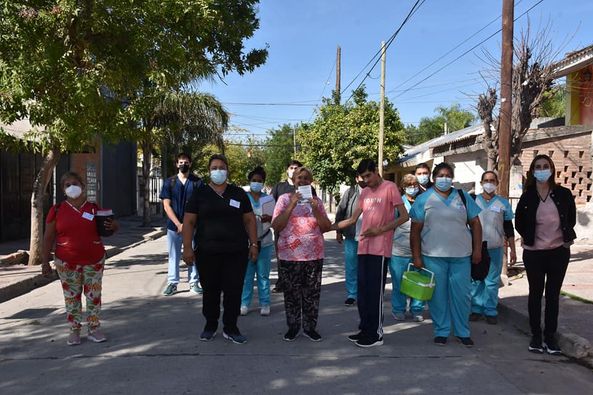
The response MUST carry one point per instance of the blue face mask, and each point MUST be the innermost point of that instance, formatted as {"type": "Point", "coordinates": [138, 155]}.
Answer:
{"type": "Point", "coordinates": [443, 184]}
{"type": "Point", "coordinates": [411, 191]}
{"type": "Point", "coordinates": [422, 179]}
{"type": "Point", "coordinates": [542, 175]}
{"type": "Point", "coordinates": [218, 176]}
{"type": "Point", "coordinates": [256, 186]}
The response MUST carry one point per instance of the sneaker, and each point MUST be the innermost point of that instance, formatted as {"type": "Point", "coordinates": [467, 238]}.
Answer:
{"type": "Point", "coordinates": [466, 341]}
{"type": "Point", "coordinates": [195, 289]}
{"type": "Point", "coordinates": [74, 337]}
{"type": "Point", "coordinates": [356, 337]}
{"type": "Point", "coordinates": [535, 345]}
{"type": "Point", "coordinates": [366, 342]}
{"type": "Point", "coordinates": [264, 311]}
{"type": "Point", "coordinates": [491, 319]}
{"type": "Point", "coordinates": [350, 302]}
{"type": "Point", "coordinates": [440, 340]}
{"type": "Point", "coordinates": [399, 316]}
{"type": "Point", "coordinates": [170, 290]}
{"type": "Point", "coordinates": [95, 335]}
{"type": "Point", "coordinates": [313, 335]}
{"type": "Point", "coordinates": [418, 318]}
{"type": "Point", "coordinates": [551, 347]}
{"type": "Point", "coordinates": [207, 335]}
{"type": "Point", "coordinates": [475, 316]}
{"type": "Point", "coordinates": [291, 335]}
{"type": "Point", "coordinates": [236, 338]}
{"type": "Point", "coordinates": [244, 310]}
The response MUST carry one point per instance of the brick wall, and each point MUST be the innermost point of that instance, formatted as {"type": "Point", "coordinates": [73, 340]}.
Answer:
{"type": "Point", "coordinates": [572, 158]}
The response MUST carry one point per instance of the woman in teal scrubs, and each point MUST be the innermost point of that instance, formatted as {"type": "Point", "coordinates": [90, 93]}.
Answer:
{"type": "Point", "coordinates": [442, 242]}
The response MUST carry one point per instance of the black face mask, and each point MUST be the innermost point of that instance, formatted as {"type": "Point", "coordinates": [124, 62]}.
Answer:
{"type": "Point", "coordinates": [184, 168]}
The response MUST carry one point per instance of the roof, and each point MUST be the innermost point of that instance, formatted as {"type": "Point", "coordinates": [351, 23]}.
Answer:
{"type": "Point", "coordinates": [573, 61]}
{"type": "Point", "coordinates": [19, 128]}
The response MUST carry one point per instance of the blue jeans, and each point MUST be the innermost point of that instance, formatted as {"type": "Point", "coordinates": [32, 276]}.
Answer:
{"type": "Point", "coordinates": [351, 266]}
{"type": "Point", "coordinates": [397, 266]}
{"type": "Point", "coordinates": [450, 305]}
{"type": "Point", "coordinates": [485, 293]}
{"type": "Point", "coordinates": [174, 242]}
{"type": "Point", "coordinates": [262, 269]}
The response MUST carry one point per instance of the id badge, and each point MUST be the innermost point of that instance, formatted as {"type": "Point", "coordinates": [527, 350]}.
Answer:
{"type": "Point", "coordinates": [88, 216]}
{"type": "Point", "coordinates": [234, 203]}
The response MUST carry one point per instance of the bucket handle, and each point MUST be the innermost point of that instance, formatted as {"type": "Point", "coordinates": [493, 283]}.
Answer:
{"type": "Point", "coordinates": [410, 265]}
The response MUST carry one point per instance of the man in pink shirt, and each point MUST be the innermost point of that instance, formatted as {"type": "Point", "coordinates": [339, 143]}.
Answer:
{"type": "Point", "coordinates": [377, 204]}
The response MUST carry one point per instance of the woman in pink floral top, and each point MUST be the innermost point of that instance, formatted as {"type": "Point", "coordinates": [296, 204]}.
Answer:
{"type": "Point", "coordinates": [299, 225]}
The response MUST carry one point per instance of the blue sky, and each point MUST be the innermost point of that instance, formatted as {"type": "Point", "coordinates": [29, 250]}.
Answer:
{"type": "Point", "coordinates": [303, 35]}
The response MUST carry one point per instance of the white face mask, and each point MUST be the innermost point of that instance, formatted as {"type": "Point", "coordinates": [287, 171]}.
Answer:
{"type": "Point", "coordinates": [290, 173]}
{"type": "Point", "coordinates": [73, 191]}
{"type": "Point", "coordinates": [489, 187]}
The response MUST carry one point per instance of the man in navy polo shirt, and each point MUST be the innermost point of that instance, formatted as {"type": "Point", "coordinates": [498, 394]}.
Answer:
{"type": "Point", "coordinates": [175, 193]}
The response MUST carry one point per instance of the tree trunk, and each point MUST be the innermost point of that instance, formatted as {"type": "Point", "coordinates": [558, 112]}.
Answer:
{"type": "Point", "coordinates": [146, 162]}
{"type": "Point", "coordinates": [37, 198]}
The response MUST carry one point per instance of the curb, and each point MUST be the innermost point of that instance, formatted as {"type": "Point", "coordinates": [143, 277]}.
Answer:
{"type": "Point", "coordinates": [27, 285]}
{"type": "Point", "coordinates": [572, 345]}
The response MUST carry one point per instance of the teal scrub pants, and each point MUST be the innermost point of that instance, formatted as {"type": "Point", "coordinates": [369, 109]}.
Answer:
{"type": "Point", "coordinates": [451, 301]}
{"type": "Point", "coordinates": [485, 293]}
{"type": "Point", "coordinates": [351, 267]}
{"type": "Point", "coordinates": [261, 268]}
{"type": "Point", "coordinates": [397, 266]}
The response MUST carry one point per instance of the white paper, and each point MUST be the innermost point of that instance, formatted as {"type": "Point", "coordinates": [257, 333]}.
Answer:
{"type": "Point", "coordinates": [306, 192]}
{"type": "Point", "coordinates": [268, 208]}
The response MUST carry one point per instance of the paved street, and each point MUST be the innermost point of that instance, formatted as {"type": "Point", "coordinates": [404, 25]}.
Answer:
{"type": "Point", "coordinates": [153, 347]}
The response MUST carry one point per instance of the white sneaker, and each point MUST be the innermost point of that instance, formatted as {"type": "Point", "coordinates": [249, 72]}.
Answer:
{"type": "Point", "coordinates": [418, 318]}
{"type": "Point", "coordinates": [96, 336]}
{"type": "Point", "coordinates": [265, 311]}
{"type": "Point", "coordinates": [399, 316]}
{"type": "Point", "coordinates": [244, 310]}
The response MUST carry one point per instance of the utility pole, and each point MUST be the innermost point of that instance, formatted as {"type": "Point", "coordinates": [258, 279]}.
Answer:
{"type": "Point", "coordinates": [506, 105]}
{"type": "Point", "coordinates": [382, 108]}
{"type": "Point", "coordinates": [294, 140]}
{"type": "Point", "coordinates": [338, 75]}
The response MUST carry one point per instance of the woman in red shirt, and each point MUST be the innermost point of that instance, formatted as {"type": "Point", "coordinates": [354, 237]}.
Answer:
{"type": "Point", "coordinates": [79, 255]}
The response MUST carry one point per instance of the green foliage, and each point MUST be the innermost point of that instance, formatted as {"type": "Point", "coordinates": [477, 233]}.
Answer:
{"type": "Point", "coordinates": [342, 135]}
{"type": "Point", "coordinates": [279, 151]}
{"type": "Point", "coordinates": [554, 102]}
{"type": "Point", "coordinates": [431, 127]}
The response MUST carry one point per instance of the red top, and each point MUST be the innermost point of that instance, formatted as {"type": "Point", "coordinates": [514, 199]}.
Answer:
{"type": "Point", "coordinates": [77, 239]}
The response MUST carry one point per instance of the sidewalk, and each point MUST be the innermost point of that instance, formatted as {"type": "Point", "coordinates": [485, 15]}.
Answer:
{"type": "Point", "coordinates": [576, 304]}
{"type": "Point", "coordinates": [16, 278]}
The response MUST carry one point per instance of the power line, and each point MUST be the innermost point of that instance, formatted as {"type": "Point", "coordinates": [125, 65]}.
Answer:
{"type": "Point", "coordinates": [466, 52]}
{"type": "Point", "coordinates": [271, 104]}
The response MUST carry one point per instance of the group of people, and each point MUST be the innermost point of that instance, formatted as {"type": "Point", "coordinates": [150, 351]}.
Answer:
{"type": "Point", "coordinates": [228, 236]}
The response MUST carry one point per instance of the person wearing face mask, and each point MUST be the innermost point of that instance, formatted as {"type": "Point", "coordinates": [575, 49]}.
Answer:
{"type": "Point", "coordinates": [401, 256]}
{"type": "Point", "coordinates": [175, 192]}
{"type": "Point", "coordinates": [442, 242]}
{"type": "Point", "coordinates": [496, 218]}
{"type": "Point", "coordinates": [286, 186]}
{"type": "Point", "coordinates": [263, 207]}
{"type": "Point", "coordinates": [422, 173]}
{"type": "Point", "coordinates": [300, 226]}
{"type": "Point", "coordinates": [79, 256]}
{"type": "Point", "coordinates": [545, 219]}
{"type": "Point", "coordinates": [349, 236]}
{"type": "Point", "coordinates": [225, 238]}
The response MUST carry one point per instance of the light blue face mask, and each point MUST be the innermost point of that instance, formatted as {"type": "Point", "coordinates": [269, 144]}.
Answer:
{"type": "Point", "coordinates": [256, 186]}
{"type": "Point", "coordinates": [422, 179]}
{"type": "Point", "coordinates": [218, 176]}
{"type": "Point", "coordinates": [443, 184]}
{"type": "Point", "coordinates": [542, 175]}
{"type": "Point", "coordinates": [411, 191]}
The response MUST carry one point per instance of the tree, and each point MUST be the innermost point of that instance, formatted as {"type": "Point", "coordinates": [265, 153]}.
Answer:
{"type": "Point", "coordinates": [452, 118]}
{"type": "Point", "coordinates": [74, 68]}
{"type": "Point", "coordinates": [279, 150]}
{"type": "Point", "coordinates": [554, 102]}
{"type": "Point", "coordinates": [342, 135]}
{"type": "Point", "coordinates": [532, 79]}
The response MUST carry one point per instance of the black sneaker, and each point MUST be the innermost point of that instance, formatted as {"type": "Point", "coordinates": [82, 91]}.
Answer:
{"type": "Point", "coordinates": [475, 316]}
{"type": "Point", "coordinates": [551, 346]}
{"type": "Point", "coordinates": [170, 290]}
{"type": "Point", "coordinates": [313, 335]}
{"type": "Point", "coordinates": [207, 335]}
{"type": "Point", "coordinates": [535, 345]}
{"type": "Point", "coordinates": [466, 341]}
{"type": "Point", "coordinates": [440, 340]}
{"type": "Point", "coordinates": [236, 338]}
{"type": "Point", "coordinates": [356, 337]}
{"type": "Point", "coordinates": [291, 335]}
{"type": "Point", "coordinates": [491, 319]}
{"type": "Point", "coordinates": [350, 302]}
{"type": "Point", "coordinates": [367, 342]}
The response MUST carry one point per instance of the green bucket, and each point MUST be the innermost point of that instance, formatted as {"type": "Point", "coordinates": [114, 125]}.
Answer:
{"type": "Point", "coordinates": [417, 285]}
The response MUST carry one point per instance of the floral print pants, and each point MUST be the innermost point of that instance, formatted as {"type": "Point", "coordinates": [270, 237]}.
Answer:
{"type": "Point", "coordinates": [77, 279]}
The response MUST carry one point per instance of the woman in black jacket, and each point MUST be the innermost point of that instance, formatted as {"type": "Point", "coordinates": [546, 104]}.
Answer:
{"type": "Point", "coordinates": [545, 219]}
